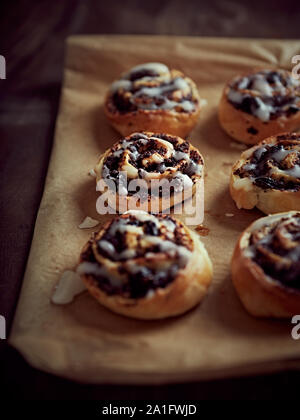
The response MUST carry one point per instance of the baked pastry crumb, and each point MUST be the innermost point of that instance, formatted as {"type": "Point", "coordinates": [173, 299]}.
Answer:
{"type": "Point", "coordinates": [202, 230]}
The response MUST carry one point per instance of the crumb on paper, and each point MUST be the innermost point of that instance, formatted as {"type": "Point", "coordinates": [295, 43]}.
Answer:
{"type": "Point", "coordinates": [238, 146]}
{"type": "Point", "coordinates": [69, 286]}
{"type": "Point", "coordinates": [202, 230]}
{"type": "Point", "coordinates": [229, 214]}
{"type": "Point", "coordinates": [150, 294]}
{"type": "Point", "coordinates": [92, 173]}
{"type": "Point", "coordinates": [88, 223]}
{"type": "Point", "coordinates": [203, 102]}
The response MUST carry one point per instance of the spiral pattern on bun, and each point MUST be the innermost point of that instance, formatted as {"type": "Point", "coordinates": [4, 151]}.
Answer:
{"type": "Point", "coordinates": [164, 164]}
{"type": "Point", "coordinates": [266, 265]}
{"type": "Point", "coordinates": [268, 175]}
{"type": "Point", "coordinates": [266, 94]}
{"type": "Point", "coordinates": [275, 247]}
{"type": "Point", "coordinates": [260, 104]}
{"type": "Point", "coordinates": [139, 257]}
{"type": "Point", "coordinates": [151, 96]}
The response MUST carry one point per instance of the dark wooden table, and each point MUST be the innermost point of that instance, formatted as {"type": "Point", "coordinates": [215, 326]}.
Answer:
{"type": "Point", "coordinates": [32, 35]}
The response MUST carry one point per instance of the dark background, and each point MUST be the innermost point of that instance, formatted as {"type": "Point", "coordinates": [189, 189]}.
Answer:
{"type": "Point", "coordinates": [32, 35]}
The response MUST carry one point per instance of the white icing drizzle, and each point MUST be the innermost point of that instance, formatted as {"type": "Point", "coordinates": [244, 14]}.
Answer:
{"type": "Point", "coordinates": [170, 226]}
{"type": "Point", "coordinates": [275, 160]}
{"type": "Point", "coordinates": [281, 154]}
{"type": "Point", "coordinates": [162, 238]}
{"type": "Point", "coordinates": [120, 84]}
{"type": "Point", "coordinates": [243, 83]}
{"type": "Point", "coordinates": [249, 166]}
{"type": "Point", "coordinates": [155, 86]}
{"type": "Point", "coordinates": [87, 267]}
{"type": "Point", "coordinates": [129, 149]}
{"type": "Point", "coordinates": [261, 85]}
{"type": "Point", "coordinates": [261, 89]}
{"type": "Point", "coordinates": [136, 212]}
{"type": "Point", "coordinates": [263, 111]}
{"type": "Point", "coordinates": [94, 269]}
{"type": "Point", "coordinates": [107, 247]}
{"type": "Point", "coordinates": [294, 172]}
{"type": "Point", "coordinates": [235, 96]}
{"type": "Point", "coordinates": [181, 155]}
{"type": "Point", "coordinates": [156, 67]}
{"type": "Point", "coordinates": [259, 152]}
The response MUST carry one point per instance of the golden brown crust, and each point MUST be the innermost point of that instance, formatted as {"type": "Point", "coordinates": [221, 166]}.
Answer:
{"type": "Point", "coordinates": [159, 204]}
{"type": "Point", "coordinates": [247, 128]}
{"type": "Point", "coordinates": [185, 291]}
{"type": "Point", "coordinates": [175, 121]}
{"type": "Point", "coordinates": [247, 195]}
{"type": "Point", "coordinates": [162, 121]}
{"type": "Point", "coordinates": [261, 295]}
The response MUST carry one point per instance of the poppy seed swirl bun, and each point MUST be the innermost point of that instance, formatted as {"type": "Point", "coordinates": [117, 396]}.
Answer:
{"type": "Point", "coordinates": [145, 266]}
{"type": "Point", "coordinates": [260, 104]}
{"type": "Point", "coordinates": [266, 266]}
{"type": "Point", "coordinates": [150, 159]}
{"type": "Point", "coordinates": [268, 175]}
{"type": "Point", "coordinates": [152, 97]}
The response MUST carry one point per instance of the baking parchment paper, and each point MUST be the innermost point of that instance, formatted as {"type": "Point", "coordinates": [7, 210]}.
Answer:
{"type": "Point", "coordinates": [85, 341]}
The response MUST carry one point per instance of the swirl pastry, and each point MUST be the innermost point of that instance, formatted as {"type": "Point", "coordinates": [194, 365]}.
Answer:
{"type": "Point", "coordinates": [166, 169]}
{"type": "Point", "coordinates": [266, 266]}
{"type": "Point", "coordinates": [145, 266]}
{"type": "Point", "coordinates": [152, 97]}
{"type": "Point", "coordinates": [260, 105]}
{"type": "Point", "coordinates": [268, 175]}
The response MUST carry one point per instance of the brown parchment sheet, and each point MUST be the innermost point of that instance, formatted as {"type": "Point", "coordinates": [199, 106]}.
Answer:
{"type": "Point", "coordinates": [85, 341]}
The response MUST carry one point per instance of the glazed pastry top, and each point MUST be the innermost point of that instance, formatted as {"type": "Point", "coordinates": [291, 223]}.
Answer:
{"type": "Point", "coordinates": [274, 244]}
{"type": "Point", "coordinates": [267, 94]}
{"type": "Point", "coordinates": [150, 156]}
{"type": "Point", "coordinates": [137, 253]}
{"type": "Point", "coordinates": [274, 165]}
{"type": "Point", "coordinates": [152, 86]}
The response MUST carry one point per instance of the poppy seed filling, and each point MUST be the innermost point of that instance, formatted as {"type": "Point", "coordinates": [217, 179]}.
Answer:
{"type": "Point", "coordinates": [274, 166]}
{"type": "Point", "coordinates": [276, 249]}
{"type": "Point", "coordinates": [136, 254]}
{"type": "Point", "coordinates": [152, 86]}
{"type": "Point", "coordinates": [267, 94]}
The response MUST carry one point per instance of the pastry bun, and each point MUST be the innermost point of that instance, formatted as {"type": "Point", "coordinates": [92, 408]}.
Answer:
{"type": "Point", "coordinates": [268, 175]}
{"type": "Point", "coordinates": [165, 170]}
{"type": "Point", "coordinates": [145, 266]}
{"type": "Point", "coordinates": [259, 105]}
{"type": "Point", "coordinates": [265, 266]}
{"type": "Point", "coordinates": [150, 97]}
